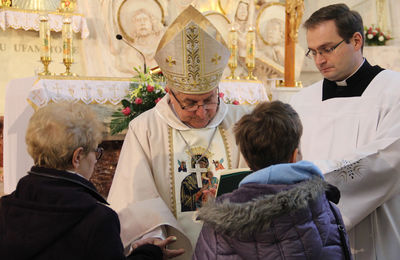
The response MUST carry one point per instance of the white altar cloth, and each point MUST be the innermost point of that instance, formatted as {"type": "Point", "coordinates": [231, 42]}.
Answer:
{"type": "Point", "coordinates": [29, 20]}
{"type": "Point", "coordinates": [246, 92]}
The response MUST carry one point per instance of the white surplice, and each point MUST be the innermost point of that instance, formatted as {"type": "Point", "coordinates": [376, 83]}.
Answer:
{"type": "Point", "coordinates": [356, 143]}
{"type": "Point", "coordinates": [146, 188]}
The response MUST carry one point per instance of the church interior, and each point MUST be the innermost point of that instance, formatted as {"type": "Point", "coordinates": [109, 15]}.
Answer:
{"type": "Point", "coordinates": [89, 51]}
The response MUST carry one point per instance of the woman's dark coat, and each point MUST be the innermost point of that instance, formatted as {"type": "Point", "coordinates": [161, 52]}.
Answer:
{"type": "Point", "coordinates": [59, 215]}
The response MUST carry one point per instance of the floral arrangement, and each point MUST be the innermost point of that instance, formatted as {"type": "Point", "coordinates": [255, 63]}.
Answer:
{"type": "Point", "coordinates": [145, 90]}
{"type": "Point", "coordinates": [375, 36]}
{"type": "Point", "coordinates": [228, 100]}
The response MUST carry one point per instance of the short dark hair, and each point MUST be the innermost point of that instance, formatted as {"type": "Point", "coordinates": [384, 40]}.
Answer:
{"type": "Point", "coordinates": [269, 135]}
{"type": "Point", "coordinates": [347, 21]}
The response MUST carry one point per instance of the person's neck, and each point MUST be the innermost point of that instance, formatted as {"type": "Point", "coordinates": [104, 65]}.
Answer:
{"type": "Point", "coordinates": [356, 67]}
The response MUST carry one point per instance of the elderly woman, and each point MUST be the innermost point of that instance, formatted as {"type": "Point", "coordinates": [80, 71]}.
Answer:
{"type": "Point", "coordinates": [55, 212]}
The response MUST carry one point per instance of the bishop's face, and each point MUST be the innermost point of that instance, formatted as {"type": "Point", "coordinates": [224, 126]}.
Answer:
{"type": "Point", "coordinates": [340, 63]}
{"type": "Point", "coordinates": [202, 116]}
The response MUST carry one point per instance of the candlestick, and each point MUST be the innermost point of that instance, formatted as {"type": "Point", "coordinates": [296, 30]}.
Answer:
{"type": "Point", "coordinates": [250, 53]}
{"type": "Point", "coordinates": [67, 46]}
{"type": "Point", "coordinates": [44, 35]}
{"type": "Point", "coordinates": [233, 48]}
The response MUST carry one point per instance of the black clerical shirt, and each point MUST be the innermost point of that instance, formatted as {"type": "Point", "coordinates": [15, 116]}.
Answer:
{"type": "Point", "coordinates": [356, 84]}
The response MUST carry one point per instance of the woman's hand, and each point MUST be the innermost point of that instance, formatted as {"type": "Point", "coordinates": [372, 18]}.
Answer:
{"type": "Point", "coordinates": [167, 253]}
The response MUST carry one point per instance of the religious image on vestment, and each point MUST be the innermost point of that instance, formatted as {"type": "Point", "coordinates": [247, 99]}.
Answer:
{"type": "Point", "coordinates": [193, 195]}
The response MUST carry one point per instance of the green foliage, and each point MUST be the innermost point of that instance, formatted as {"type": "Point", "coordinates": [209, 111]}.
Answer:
{"type": "Point", "coordinates": [145, 91]}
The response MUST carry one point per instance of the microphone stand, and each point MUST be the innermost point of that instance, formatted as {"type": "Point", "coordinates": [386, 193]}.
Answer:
{"type": "Point", "coordinates": [119, 37]}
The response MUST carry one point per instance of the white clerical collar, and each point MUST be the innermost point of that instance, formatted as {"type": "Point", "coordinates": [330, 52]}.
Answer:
{"type": "Point", "coordinates": [167, 113]}
{"type": "Point", "coordinates": [343, 83]}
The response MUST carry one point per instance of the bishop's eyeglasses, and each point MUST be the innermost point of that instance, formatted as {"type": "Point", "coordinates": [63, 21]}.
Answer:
{"type": "Point", "coordinates": [325, 52]}
{"type": "Point", "coordinates": [194, 107]}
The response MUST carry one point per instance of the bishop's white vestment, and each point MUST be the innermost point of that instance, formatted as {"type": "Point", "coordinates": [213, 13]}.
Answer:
{"type": "Point", "coordinates": [155, 183]}
{"type": "Point", "coordinates": [356, 143]}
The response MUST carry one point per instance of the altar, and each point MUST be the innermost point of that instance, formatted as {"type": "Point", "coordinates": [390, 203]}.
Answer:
{"type": "Point", "coordinates": [25, 95]}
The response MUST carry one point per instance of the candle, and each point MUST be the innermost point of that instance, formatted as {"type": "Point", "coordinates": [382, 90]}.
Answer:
{"type": "Point", "coordinates": [44, 34]}
{"type": "Point", "coordinates": [67, 39]}
{"type": "Point", "coordinates": [250, 47]}
{"type": "Point", "coordinates": [233, 48]}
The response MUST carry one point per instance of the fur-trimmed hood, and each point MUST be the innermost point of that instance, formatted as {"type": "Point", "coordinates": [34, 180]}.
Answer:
{"type": "Point", "coordinates": [236, 217]}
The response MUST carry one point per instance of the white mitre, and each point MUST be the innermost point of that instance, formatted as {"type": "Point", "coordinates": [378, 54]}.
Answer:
{"type": "Point", "coordinates": [192, 54]}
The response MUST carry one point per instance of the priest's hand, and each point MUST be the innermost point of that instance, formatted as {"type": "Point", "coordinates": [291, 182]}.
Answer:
{"type": "Point", "coordinates": [167, 253]}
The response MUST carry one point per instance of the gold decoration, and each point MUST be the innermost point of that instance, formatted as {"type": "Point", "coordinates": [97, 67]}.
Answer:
{"type": "Point", "coordinates": [281, 83]}
{"type": "Point", "coordinates": [250, 53]}
{"type": "Point", "coordinates": [222, 131]}
{"type": "Point", "coordinates": [171, 172]}
{"type": "Point", "coordinates": [39, 5]}
{"type": "Point", "coordinates": [216, 59]}
{"type": "Point", "coordinates": [67, 36]}
{"type": "Point", "coordinates": [5, 3]}
{"type": "Point", "coordinates": [195, 42]}
{"type": "Point", "coordinates": [67, 6]}
{"type": "Point", "coordinates": [45, 54]}
{"type": "Point", "coordinates": [199, 150]}
{"type": "Point", "coordinates": [295, 10]}
{"type": "Point", "coordinates": [46, 61]}
{"type": "Point", "coordinates": [44, 34]}
{"type": "Point", "coordinates": [170, 61]}
{"type": "Point", "coordinates": [233, 48]}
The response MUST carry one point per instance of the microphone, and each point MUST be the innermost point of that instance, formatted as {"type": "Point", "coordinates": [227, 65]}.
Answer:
{"type": "Point", "coordinates": [119, 37]}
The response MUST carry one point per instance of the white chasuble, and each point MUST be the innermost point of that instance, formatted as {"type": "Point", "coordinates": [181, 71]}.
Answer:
{"type": "Point", "coordinates": [198, 155]}
{"type": "Point", "coordinates": [355, 141]}
{"type": "Point", "coordinates": [155, 165]}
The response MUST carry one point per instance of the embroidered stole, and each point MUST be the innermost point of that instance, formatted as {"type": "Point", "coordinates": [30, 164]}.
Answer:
{"type": "Point", "coordinates": [187, 196]}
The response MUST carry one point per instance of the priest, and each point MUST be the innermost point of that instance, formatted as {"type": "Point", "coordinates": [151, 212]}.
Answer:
{"type": "Point", "coordinates": [351, 125]}
{"type": "Point", "coordinates": [168, 151]}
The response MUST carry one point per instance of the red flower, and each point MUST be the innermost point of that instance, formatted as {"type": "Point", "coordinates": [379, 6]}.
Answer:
{"type": "Point", "coordinates": [126, 111]}
{"type": "Point", "coordinates": [235, 102]}
{"type": "Point", "coordinates": [221, 95]}
{"type": "Point", "coordinates": [138, 101]}
{"type": "Point", "coordinates": [156, 101]}
{"type": "Point", "coordinates": [150, 88]}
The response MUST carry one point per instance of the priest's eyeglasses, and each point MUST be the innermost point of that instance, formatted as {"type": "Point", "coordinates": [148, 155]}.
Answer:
{"type": "Point", "coordinates": [99, 152]}
{"type": "Point", "coordinates": [194, 107]}
{"type": "Point", "coordinates": [325, 52]}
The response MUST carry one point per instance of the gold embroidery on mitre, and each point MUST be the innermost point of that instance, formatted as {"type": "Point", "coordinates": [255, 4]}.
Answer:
{"type": "Point", "coordinates": [170, 61]}
{"type": "Point", "coordinates": [200, 53]}
{"type": "Point", "coordinates": [193, 56]}
{"type": "Point", "coordinates": [216, 59]}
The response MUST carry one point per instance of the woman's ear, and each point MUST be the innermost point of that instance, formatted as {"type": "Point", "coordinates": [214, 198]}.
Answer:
{"type": "Point", "coordinates": [76, 157]}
